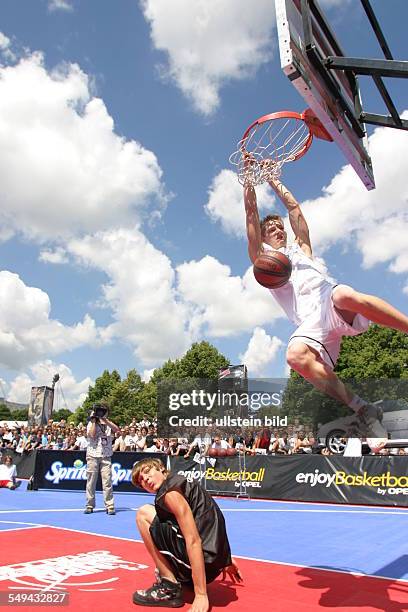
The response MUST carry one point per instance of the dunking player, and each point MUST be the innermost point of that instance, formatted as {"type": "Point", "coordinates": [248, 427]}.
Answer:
{"type": "Point", "coordinates": [323, 312]}
{"type": "Point", "coordinates": [184, 533]}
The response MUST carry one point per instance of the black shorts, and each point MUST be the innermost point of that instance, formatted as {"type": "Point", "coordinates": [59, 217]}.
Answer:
{"type": "Point", "coordinates": [170, 542]}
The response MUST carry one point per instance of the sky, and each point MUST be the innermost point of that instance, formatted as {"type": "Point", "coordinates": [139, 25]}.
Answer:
{"type": "Point", "coordinates": [122, 229]}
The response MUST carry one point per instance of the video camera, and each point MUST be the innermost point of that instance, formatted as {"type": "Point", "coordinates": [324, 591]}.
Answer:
{"type": "Point", "coordinates": [99, 411]}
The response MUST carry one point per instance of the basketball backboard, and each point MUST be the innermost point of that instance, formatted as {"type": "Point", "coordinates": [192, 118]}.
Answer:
{"type": "Point", "coordinates": [305, 42]}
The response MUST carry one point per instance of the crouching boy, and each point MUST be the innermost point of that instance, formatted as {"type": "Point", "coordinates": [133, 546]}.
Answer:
{"type": "Point", "coordinates": [185, 534]}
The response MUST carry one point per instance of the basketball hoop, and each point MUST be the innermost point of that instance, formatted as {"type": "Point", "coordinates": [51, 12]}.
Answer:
{"type": "Point", "coordinates": [273, 140]}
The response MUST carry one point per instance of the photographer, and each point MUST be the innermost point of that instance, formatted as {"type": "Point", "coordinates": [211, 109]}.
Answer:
{"type": "Point", "coordinates": [98, 457]}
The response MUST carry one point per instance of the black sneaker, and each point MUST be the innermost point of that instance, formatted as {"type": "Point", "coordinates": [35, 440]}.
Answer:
{"type": "Point", "coordinates": [88, 510]}
{"type": "Point", "coordinates": [163, 593]}
{"type": "Point", "coordinates": [110, 511]}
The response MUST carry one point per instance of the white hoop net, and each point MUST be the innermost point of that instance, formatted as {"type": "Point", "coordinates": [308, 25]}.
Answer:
{"type": "Point", "coordinates": [267, 146]}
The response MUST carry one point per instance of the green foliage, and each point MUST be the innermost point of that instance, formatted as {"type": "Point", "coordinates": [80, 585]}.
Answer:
{"type": "Point", "coordinates": [5, 413]}
{"type": "Point", "coordinates": [101, 391]}
{"type": "Point", "coordinates": [62, 414]}
{"type": "Point", "coordinates": [201, 361]}
{"type": "Point", "coordinates": [124, 399]}
{"type": "Point", "coordinates": [79, 416]}
{"type": "Point", "coordinates": [378, 353]}
{"type": "Point", "coordinates": [21, 414]}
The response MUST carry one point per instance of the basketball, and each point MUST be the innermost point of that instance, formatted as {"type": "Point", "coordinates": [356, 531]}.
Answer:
{"type": "Point", "coordinates": [222, 452]}
{"type": "Point", "coordinates": [272, 269]}
{"type": "Point", "coordinates": [231, 452]}
{"type": "Point", "coordinates": [213, 452]}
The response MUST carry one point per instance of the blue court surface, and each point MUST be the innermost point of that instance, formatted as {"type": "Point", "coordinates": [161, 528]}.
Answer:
{"type": "Point", "coordinates": [349, 541]}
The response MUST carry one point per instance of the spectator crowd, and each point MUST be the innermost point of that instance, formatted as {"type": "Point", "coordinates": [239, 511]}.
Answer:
{"type": "Point", "coordinates": [142, 435]}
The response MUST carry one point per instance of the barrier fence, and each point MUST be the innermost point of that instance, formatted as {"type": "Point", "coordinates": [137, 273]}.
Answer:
{"type": "Point", "coordinates": [364, 480]}
{"type": "Point", "coordinates": [372, 480]}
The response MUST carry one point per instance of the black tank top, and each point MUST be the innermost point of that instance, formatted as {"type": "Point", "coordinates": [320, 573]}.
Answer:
{"type": "Point", "coordinates": [207, 515]}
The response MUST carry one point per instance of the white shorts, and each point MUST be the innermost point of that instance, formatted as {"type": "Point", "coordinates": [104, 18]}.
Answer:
{"type": "Point", "coordinates": [324, 328]}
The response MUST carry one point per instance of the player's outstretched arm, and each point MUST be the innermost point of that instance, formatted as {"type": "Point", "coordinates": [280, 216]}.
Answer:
{"type": "Point", "coordinates": [252, 223]}
{"type": "Point", "coordinates": [178, 506]}
{"type": "Point", "coordinates": [296, 218]}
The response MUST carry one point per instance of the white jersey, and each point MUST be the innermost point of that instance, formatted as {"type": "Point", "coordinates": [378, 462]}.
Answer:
{"type": "Point", "coordinates": [302, 293]}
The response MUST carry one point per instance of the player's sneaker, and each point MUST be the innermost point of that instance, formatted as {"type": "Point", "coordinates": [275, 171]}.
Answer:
{"type": "Point", "coordinates": [163, 593]}
{"type": "Point", "coordinates": [370, 421]}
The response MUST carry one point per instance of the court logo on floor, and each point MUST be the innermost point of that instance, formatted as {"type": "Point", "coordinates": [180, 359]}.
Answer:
{"type": "Point", "coordinates": [64, 573]}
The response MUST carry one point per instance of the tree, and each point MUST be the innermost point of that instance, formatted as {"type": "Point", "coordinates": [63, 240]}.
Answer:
{"type": "Point", "coordinates": [62, 414]}
{"type": "Point", "coordinates": [79, 416]}
{"type": "Point", "coordinates": [378, 353]}
{"type": "Point", "coordinates": [5, 413]}
{"type": "Point", "coordinates": [148, 399]}
{"type": "Point", "coordinates": [124, 399]}
{"type": "Point", "coordinates": [102, 390]}
{"type": "Point", "coordinates": [203, 361]}
{"type": "Point", "coordinates": [21, 414]}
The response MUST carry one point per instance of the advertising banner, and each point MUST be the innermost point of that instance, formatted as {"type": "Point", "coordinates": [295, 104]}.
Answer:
{"type": "Point", "coordinates": [67, 470]}
{"type": "Point", "coordinates": [361, 480]}
{"type": "Point", "coordinates": [364, 480]}
{"type": "Point", "coordinates": [228, 475]}
{"type": "Point", "coordinates": [40, 408]}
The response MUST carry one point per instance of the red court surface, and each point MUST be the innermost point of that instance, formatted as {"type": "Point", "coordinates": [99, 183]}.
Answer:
{"type": "Point", "coordinates": [102, 572]}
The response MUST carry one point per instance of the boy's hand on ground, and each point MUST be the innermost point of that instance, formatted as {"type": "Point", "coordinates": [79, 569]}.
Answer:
{"type": "Point", "coordinates": [233, 572]}
{"type": "Point", "coordinates": [200, 604]}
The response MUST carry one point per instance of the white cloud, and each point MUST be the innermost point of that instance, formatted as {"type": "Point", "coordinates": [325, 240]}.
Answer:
{"type": "Point", "coordinates": [224, 305]}
{"type": "Point", "coordinates": [63, 169]}
{"type": "Point", "coordinates": [74, 392]}
{"type": "Point", "coordinates": [159, 311]}
{"type": "Point", "coordinates": [60, 5]}
{"type": "Point", "coordinates": [4, 41]}
{"type": "Point", "coordinates": [5, 48]}
{"type": "Point", "coordinates": [56, 256]}
{"type": "Point", "coordinates": [147, 374]}
{"type": "Point", "coordinates": [260, 353]}
{"type": "Point", "coordinates": [226, 205]}
{"type": "Point", "coordinates": [208, 42]}
{"type": "Point", "coordinates": [27, 333]}
{"type": "Point", "coordinates": [375, 221]}
{"type": "Point", "coordinates": [140, 293]}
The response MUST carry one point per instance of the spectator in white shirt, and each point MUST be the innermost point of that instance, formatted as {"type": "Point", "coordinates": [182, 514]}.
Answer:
{"type": "Point", "coordinates": [8, 474]}
{"type": "Point", "coordinates": [81, 442]}
{"type": "Point", "coordinates": [218, 443]}
{"type": "Point", "coordinates": [131, 439]}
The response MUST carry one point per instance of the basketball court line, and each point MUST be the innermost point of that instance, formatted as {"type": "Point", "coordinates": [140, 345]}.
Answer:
{"type": "Point", "coordinates": [343, 507]}
{"type": "Point", "coordinates": [314, 511]}
{"type": "Point", "coordinates": [27, 526]}
{"type": "Point", "coordinates": [390, 512]}
{"type": "Point", "coordinates": [269, 561]}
